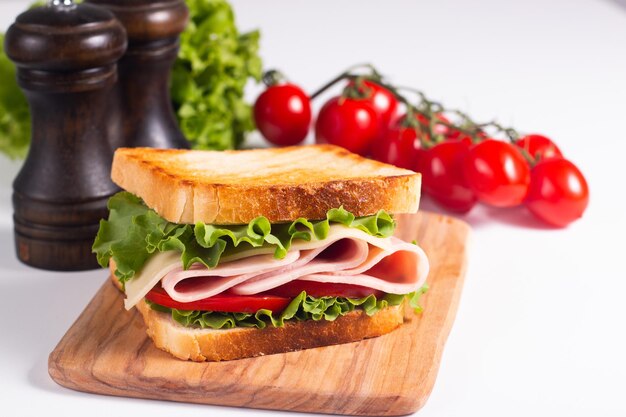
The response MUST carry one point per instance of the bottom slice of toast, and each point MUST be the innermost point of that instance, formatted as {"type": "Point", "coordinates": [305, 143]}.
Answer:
{"type": "Point", "coordinates": [228, 344]}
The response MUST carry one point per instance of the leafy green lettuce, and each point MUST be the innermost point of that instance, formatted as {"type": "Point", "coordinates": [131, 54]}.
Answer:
{"type": "Point", "coordinates": [135, 232]}
{"type": "Point", "coordinates": [303, 307]}
{"type": "Point", "coordinates": [214, 65]}
{"type": "Point", "coordinates": [14, 113]}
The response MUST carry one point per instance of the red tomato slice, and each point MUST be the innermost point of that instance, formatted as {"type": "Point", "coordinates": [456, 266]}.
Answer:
{"type": "Point", "coordinates": [322, 289]}
{"type": "Point", "coordinates": [224, 302]}
{"type": "Point", "coordinates": [275, 299]}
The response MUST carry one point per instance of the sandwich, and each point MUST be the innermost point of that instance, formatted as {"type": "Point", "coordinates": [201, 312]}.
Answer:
{"type": "Point", "coordinates": [236, 254]}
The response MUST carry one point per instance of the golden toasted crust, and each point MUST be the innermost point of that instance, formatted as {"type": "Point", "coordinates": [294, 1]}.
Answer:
{"type": "Point", "coordinates": [222, 345]}
{"type": "Point", "coordinates": [282, 184]}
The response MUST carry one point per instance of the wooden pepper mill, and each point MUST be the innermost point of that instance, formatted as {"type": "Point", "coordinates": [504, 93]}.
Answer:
{"type": "Point", "coordinates": [142, 95]}
{"type": "Point", "coordinates": [66, 58]}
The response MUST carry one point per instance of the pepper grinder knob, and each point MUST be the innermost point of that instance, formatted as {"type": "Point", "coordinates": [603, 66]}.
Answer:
{"type": "Point", "coordinates": [66, 57]}
{"type": "Point", "coordinates": [63, 3]}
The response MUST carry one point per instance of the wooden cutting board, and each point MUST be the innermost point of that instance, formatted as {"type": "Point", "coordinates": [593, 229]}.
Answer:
{"type": "Point", "coordinates": [106, 351]}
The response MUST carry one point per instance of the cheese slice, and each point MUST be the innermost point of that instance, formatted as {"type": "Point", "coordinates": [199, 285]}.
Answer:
{"type": "Point", "coordinates": [159, 265]}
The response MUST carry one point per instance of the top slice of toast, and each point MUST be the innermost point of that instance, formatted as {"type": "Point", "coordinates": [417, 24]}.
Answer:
{"type": "Point", "coordinates": [282, 184]}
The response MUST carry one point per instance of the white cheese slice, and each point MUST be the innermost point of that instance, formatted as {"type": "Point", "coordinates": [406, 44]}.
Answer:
{"type": "Point", "coordinates": [154, 269]}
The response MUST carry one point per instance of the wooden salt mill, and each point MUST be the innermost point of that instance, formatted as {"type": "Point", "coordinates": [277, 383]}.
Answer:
{"type": "Point", "coordinates": [66, 58]}
{"type": "Point", "coordinates": [142, 95]}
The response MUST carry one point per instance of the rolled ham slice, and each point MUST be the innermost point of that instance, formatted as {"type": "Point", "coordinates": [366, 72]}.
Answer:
{"type": "Point", "coordinates": [194, 284]}
{"type": "Point", "coordinates": [347, 256]}
{"type": "Point", "coordinates": [220, 278]}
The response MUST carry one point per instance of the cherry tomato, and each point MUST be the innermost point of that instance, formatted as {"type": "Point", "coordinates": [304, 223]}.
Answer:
{"type": "Point", "coordinates": [497, 173]}
{"type": "Point", "coordinates": [539, 147]}
{"type": "Point", "coordinates": [439, 128]}
{"type": "Point", "coordinates": [350, 123]}
{"type": "Point", "coordinates": [283, 114]}
{"type": "Point", "coordinates": [223, 302]}
{"type": "Point", "coordinates": [383, 101]}
{"type": "Point", "coordinates": [449, 133]}
{"type": "Point", "coordinates": [400, 146]}
{"type": "Point", "coordinates": [455, 134]}
{"type": "Point", "coordinates": [558, 192]}
{"type": "Point", "coordinates": [442, 175]}
{"type": "Point", "coordinates": [322, 289]}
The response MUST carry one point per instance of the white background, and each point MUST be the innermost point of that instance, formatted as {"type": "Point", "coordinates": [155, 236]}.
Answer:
{"type": "Point", "coordinates": [542, 322]}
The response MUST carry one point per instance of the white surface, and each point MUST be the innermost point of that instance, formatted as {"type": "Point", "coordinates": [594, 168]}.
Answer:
{"type": "Point", "coordinates": [541, 326]}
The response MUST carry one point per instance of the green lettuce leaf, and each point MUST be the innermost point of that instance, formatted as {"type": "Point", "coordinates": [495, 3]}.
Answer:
{"type": "Point", "coordinates": [14, 112]}
{"type": "Point", "coordinates": [209, 77]}
{"type": "Point", "coordinates": [133, 232]}
{"type": "Point", "coordinates": [303, 307]}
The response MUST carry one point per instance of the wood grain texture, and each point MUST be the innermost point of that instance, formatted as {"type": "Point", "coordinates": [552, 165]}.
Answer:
{"type": "Point", "coordinates": [106, 351]}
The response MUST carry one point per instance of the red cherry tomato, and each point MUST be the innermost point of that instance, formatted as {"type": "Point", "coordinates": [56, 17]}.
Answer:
{"type": "Point", "coordinates": [383, 101]}
{"type": "Point", "coordinates": [497, 173]}
{"type": "Point", "coordinates": [400, 146]}
{"type": "Point", "coordinates": [558, 192]}
{"type": "Point", "coordinates": [455, 134]}
{"type": "Point", "coordinates": [449, 133]}
{"type": "Point", "coordinates": [223, 302]}
{"type": "Point", "coordinates": [347, 122]}
{"type": "Point", "coordinates": [439, 128]}
{"type": "Point", "coordinates": [539, 147]}
{"type": "Point", "coordinates": [283, 114]}
{"type": "Point", "coordinates": [442, 175]}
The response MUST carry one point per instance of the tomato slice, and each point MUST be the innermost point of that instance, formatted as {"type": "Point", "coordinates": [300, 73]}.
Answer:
{"type": "Point", "coordinates": [223, 302]}
{"type": "Point", "coordinates": [322, 289]}
{"type": "Point", "coordinates": [276, 299]}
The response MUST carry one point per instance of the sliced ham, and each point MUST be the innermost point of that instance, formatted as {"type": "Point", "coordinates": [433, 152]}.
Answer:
{"type": "Point", "coordinates": [351, 253]}
{"type": "Point", "coordinates": [348, 256]}
{"type": "Point", "coordinates": [363, 280]}
{"type": "Point", "coordinates": [195, 284]}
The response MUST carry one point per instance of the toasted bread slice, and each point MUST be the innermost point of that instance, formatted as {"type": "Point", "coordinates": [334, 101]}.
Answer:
{"type": "Point", "coordinates": [282, 184]}
{"type": "Point", "coordinates": [222, 345]}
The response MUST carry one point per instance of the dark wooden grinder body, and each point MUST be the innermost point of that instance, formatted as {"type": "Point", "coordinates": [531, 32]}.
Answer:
{"type": "Point", "coordinates": [141, 99]}
{"type": "Point", "coordinates": [66, 59]}
{"type": "Point", "coordinates": [85, 104]}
